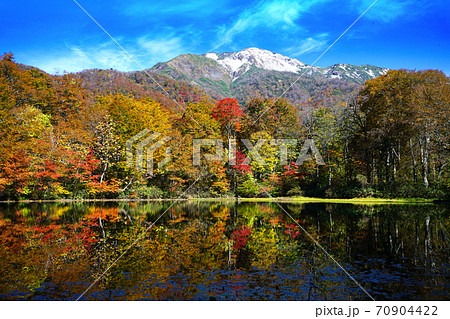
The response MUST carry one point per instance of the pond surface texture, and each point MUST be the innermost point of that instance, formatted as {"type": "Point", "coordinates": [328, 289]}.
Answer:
{"type": "Point", "coordinates": [223, 251]}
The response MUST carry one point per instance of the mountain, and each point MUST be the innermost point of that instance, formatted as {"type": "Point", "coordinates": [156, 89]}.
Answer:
{"type": "Point", "coordinates": [238, 63]}
{"type": "Point", "coordinates": [246, 74]}
{"type": "Point", "coordinates": [260, 72]}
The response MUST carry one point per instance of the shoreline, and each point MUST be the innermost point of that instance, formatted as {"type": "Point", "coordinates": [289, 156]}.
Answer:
{"type": "Point", "coordinates": [227, 199]}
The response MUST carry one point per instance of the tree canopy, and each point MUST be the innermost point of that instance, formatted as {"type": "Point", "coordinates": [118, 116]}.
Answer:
{"type": "Point", "coordinates": [65, 137]}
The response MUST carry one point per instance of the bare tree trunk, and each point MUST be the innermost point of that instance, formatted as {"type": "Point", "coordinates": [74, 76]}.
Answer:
{"type": "Point", "coordinates": [424, 158]}
{"type": "Point", "coordinates": [414, 163]}
{"type": "Point", "coordinates": [396, 159]}
{"type": "Point", "coordinates": [424, 150]}
{"type": "Point", "coordinates": [104, 171]}
{"type": "Point", "coordinates": [441, 169]}
{"type": "Point", "coordinates": [329, 167]}
{"type": "Point", "coordinates": [388, 164]}
{"type": "Point", "coordinates": [425, 163]}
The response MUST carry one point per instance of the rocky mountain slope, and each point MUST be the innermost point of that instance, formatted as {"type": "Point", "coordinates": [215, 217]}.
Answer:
{"type": "Point", "coordinates": [260, 72]}
{"type": "Point", "coordinates": [243, 75]}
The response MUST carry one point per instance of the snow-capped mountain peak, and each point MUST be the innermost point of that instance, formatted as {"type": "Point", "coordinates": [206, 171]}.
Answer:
{"type": "Point", "coordinates": [256, 70]}
{"type": "Point", "coordinates": [239, 62]}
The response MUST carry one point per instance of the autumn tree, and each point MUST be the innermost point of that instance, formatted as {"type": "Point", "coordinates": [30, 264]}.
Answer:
{"type": "Point", "coordinates": [278, 118]}
{"type": "Point", "coordinates": [402, 119]}
{"type": "Point", "coordinates": [197, 124]}
{"type": "Point", "coordinates": [107, 146]}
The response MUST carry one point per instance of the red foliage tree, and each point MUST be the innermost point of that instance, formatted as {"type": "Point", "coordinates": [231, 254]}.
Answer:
{"type": "Point", "coordinates": [240, 167]}
{"type": "Point", "coordinates": [228, 114]}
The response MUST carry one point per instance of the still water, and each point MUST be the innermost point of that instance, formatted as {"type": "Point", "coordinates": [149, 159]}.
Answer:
{"type": "Point", "coordinates": [223, 251]}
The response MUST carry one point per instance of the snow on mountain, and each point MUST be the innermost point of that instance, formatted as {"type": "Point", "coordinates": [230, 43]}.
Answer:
{"type": "Point", "coordinates": [266, 72]}
{"type": "Point", "coordinates": [236, 64]}
{"type": "Point", "coordinates": [239, 62]}
{"type": "Point", "coordinates": [213, 56]}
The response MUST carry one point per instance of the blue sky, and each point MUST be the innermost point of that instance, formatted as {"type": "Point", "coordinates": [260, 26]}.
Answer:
{"type": "Point", "coordinates": [57, 36]}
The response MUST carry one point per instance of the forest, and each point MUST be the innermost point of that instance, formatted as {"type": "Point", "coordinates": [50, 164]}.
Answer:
{"type": "Point", "coordinates": [63, 137]}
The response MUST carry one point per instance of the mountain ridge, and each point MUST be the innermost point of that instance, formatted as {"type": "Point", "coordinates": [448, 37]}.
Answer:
{"type": "Point", "coordinates": [220, 74]}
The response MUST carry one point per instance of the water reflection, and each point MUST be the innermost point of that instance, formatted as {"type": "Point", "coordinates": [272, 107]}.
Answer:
{"type": "Point", "coordinates": [223, 251]}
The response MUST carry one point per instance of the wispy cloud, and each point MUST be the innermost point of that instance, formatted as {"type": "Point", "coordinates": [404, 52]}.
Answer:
{"type": "Point", "coordinates": [280, 14]}
{"type": "Point", "coordinates": [160, 49]}
{"type": "Point", "coordinates": [158, 30]}
{"type": "Point", "coordinates": [146, 50]}
{"type": "Point", "coordinates": [76, 58]}
{"type": "Point", "coordinates": [198, 8]}
{"type": "Point", "coordinates": [309, 45]}
{"type": "Point", "coordinates": [387, 11]}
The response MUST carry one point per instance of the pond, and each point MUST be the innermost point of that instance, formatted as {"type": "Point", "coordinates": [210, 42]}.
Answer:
{"type": "Point", "coordinates": [196, 250]}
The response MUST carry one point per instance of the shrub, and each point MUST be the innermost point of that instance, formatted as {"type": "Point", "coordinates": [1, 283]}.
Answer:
{"type": "Point", "coordinates": [248, 188]}
{"type": "Point", "coordinates": [149, 192]}
{"type": "Point", "coordinates": [296, 191]}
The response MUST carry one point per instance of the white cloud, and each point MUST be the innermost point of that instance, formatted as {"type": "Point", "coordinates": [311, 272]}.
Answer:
{"type": "Point", "coordinates": [160, 49]}
{"type": "Point", "coordinates": [146, 51]}
{"type": "Point", "coordinates": [197, 8]}
{"type": "Point", "coordinates": [71, 60]}
{"type": "Point", "coordinates": [387, 11]}
{"type": "Point", "coordinates": [283, 15]}
{"type": "Point", "coordinates": [76, 58]}
{"type": "Point", "coordinates": [269, 13]}
{"type": "Point", "coordinates": [309, 45]}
